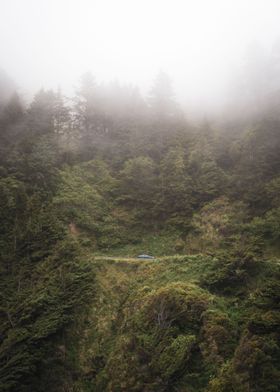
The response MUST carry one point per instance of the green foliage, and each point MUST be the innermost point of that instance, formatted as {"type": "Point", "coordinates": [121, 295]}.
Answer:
{"type": "Point", "coordinates": [251, 368]}
{"type": "Point", "coordinates": [257, 163]}
{"type": "Point", "coordinates": [209, 179]}
{"type": "Point", "coordinates": [44, 302]}
{"type": "Point", "coordinates": [230, 273]}
{"type": "Point", "coordinates": [217, 225]}
{"type": "Point", "coordinates": [176, 197]}
{"type": "Point", "coordinates": [154, 329]}
{"type": "Point", "coordinates": [13, 200]}
{"type": "Point", "coordinates": [174, 355]}
{"type": "Point", "coordinates": [78, 201]}
{"type": "Point", "coordinates": [267, 228]}
{"type": "Point", "coordinates": [158, 338]}
{"type": "Point", "coordinates": [123, 177]}
{"type": "Point", "coordinates": [138, 183]}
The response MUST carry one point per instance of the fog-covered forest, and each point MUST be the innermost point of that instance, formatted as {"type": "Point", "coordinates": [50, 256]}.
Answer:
{"type": "Point", "coordinates": [95, 175]}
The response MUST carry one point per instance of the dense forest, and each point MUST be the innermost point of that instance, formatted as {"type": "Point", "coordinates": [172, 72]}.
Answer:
{"type": "Point", "coordinates": [90, 182]}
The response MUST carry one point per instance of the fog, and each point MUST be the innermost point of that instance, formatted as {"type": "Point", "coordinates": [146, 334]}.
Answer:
{"type": "Point", "coordinates": [204, 46]}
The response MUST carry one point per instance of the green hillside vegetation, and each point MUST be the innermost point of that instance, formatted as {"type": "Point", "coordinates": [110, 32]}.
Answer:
{"type": "Point", "coordinates": [87, 187]}
{"type": "Point", "coordinates": [174, 324]}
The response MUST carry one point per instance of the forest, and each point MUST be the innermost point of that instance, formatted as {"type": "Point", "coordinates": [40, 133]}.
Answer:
{"type": "Point", "coordinates": [87, 183]}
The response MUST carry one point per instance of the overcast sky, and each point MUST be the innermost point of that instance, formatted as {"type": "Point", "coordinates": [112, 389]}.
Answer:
{"type": "Point", "coordinates": [50, 43]}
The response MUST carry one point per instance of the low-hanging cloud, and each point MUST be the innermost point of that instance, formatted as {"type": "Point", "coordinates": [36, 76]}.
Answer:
{"type": "Point", "coordinates": [200, 44]}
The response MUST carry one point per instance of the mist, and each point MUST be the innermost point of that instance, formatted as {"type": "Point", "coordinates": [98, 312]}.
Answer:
{"type": "Point", "coordinates": [203, 46]}
{"type": "Point", "coordinates": [139, 195]}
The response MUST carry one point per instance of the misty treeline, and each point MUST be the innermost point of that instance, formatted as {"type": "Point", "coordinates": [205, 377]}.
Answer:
{"type": "Point", "coordinates": [108, 169]}
{"type": "Point", "coordinates": [160, 163]}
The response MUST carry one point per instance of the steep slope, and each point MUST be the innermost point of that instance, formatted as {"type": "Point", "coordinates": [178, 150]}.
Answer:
{"type": "Point", "coordinates": [182, 323]}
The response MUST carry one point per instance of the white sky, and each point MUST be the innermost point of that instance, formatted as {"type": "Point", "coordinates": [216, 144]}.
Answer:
{"type": "Point", "coordinates": [46, 43]}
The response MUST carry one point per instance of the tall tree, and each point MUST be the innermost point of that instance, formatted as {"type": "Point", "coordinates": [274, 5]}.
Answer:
{"type": "Point", "coordinates": [87, 119]}
{"type": "Point", "coordinates": [161, 98]}
{"type": "Point", "coordinates": [176, 189]}
{"type": "Point", "coordinates": [11, 124]}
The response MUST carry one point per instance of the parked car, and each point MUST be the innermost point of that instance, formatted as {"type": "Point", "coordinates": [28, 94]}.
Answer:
{"type": "Point", "coordinates": [145, 257]}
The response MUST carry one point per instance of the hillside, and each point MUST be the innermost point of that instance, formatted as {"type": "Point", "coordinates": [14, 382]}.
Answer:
{"type": "Point", "coordinates": [175, 324]}
{"type": "Point", "coordinates": [85, 188]}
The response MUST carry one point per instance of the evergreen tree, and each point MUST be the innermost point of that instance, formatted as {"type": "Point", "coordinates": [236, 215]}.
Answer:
{"type": "Point", "coordinates": [161, 98]}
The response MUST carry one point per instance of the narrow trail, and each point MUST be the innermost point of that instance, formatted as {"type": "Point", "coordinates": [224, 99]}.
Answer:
{"type": "Point", "coordinates": [123, 258]}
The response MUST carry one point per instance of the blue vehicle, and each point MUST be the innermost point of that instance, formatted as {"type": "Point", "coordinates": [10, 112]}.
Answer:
{"type": "Point", "coordinates": [145, 257]}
